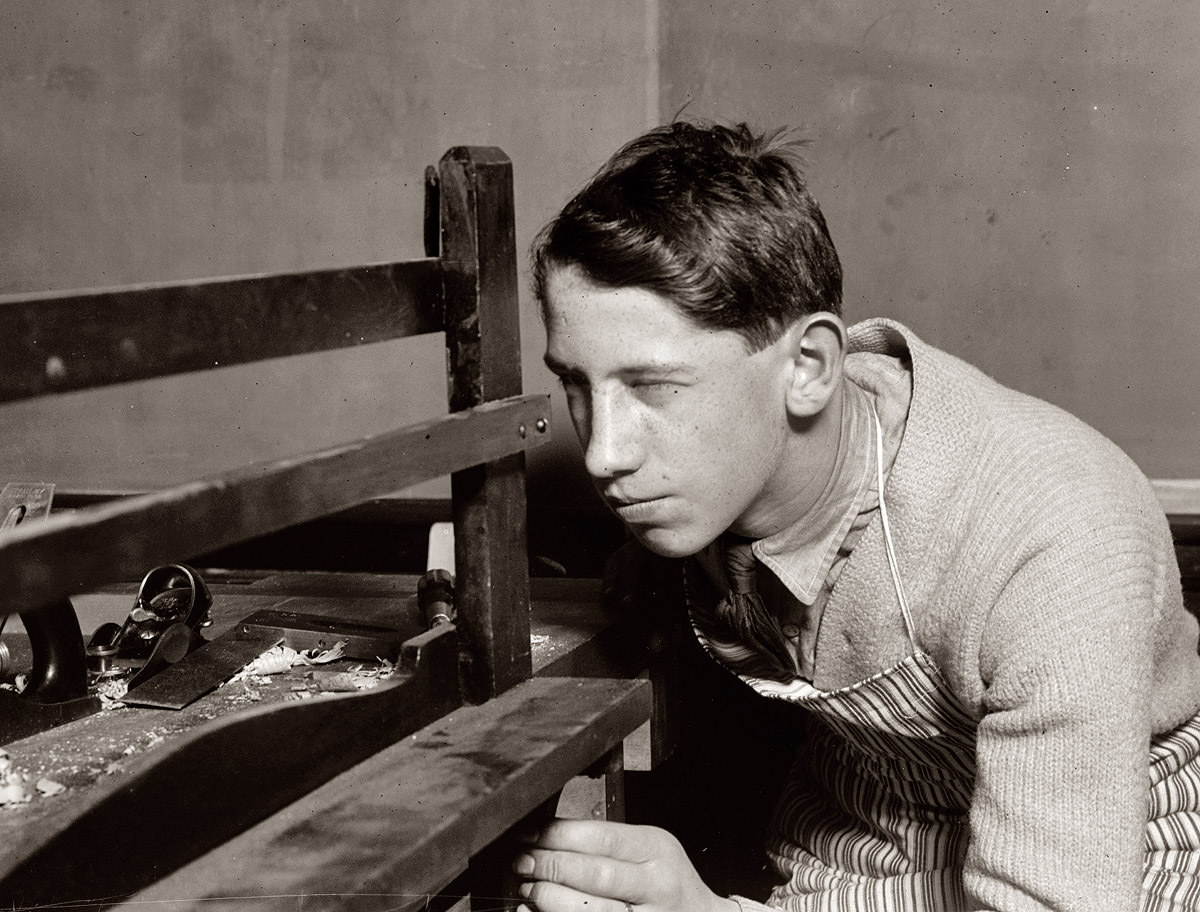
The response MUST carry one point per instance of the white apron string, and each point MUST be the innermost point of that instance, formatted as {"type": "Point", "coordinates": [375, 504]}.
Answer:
{"type": "Point", "coordinates": [887, 536]}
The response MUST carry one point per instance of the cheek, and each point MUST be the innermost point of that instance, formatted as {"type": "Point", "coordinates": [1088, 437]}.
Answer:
{"type": "Point", "coordinates": [749, 450]}
{"type": "Point", "coordinates": [727, 453]}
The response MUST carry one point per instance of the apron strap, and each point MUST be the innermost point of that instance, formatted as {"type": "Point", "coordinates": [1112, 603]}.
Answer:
{"type": "Point", "coordinates": [887, 535]}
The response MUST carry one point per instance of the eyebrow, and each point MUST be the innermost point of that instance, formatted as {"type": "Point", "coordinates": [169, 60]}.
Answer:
{"type": "Point", "coordinates": [655, 368]}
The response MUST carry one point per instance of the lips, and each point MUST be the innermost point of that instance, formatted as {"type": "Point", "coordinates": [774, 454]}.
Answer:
{"type": "Point", "coordinates": [637, 511]}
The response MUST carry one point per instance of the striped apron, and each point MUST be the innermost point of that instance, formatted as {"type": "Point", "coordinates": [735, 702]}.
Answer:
{"type": "Point", "coordinates": [1172, 878]}
{"type": "Point", "coordinates": [874, 816]}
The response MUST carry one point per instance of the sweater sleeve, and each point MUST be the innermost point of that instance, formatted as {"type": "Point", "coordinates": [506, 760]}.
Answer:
{"type": "Point", "coordinates": [1058, 814]}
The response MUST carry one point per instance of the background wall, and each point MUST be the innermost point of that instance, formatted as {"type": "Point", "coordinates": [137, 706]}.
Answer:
{"type": "Point", "coordinates": [146, 141]}
{"type": "Point", "coordinates": [1017, 181]}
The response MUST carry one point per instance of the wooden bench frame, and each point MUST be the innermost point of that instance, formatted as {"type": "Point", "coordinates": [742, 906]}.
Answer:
{"type": "Point", "coordinates": [466, 287]}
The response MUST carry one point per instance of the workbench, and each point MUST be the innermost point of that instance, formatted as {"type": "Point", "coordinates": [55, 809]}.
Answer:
{"type": "Point", "coordinates": [380, 799]}
{"type": "Point", "coordinates": [405, 816]}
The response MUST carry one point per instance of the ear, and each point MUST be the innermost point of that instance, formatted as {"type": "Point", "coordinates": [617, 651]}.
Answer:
{"type": "Point", "coordinates": [817, 348]}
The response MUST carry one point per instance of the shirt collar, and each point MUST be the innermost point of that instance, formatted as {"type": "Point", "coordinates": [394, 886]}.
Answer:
{"type": "Point", "coordinates": [801, 555]}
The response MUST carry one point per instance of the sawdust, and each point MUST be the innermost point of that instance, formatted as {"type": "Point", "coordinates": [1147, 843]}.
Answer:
{"type": "Point", "coordinates": [12, 783]}
{"type": "Point", "coordinates": [39, 771]}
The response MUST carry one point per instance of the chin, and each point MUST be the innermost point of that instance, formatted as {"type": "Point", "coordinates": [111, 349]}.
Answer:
{"type": "Point", "coordinates": [672, 542]}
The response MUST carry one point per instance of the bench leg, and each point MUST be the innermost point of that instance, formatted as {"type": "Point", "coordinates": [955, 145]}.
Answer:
{"type": "Point", "coordinates": [612, 768]}
{"type": "Point", "coordinates": [493, 886]}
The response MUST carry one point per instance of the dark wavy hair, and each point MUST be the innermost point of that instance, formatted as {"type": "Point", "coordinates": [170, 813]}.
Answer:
{"type": "Point", "coordinates": [717, 219]}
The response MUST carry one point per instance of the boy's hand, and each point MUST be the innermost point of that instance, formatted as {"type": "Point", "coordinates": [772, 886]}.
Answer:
{"type": "Point", "coordinates": [600, 866]}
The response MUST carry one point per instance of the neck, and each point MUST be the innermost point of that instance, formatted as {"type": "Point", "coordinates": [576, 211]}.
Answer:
{"type": "Point", "coordinates": [815, 461]}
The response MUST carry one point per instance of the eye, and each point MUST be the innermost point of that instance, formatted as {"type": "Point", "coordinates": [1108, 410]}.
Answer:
{"type": "Point", "coordinates": [575, 388]}
{"type": "Point", "coordinates": [658, 380]}
{"type": "Point", "coordinates": [571, 382]}
{"type": "Point", "coordinates": [655, 391]}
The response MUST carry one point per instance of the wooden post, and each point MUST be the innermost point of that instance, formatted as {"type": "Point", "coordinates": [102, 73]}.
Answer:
{"type": "Point", "coordinates": [484, 356]}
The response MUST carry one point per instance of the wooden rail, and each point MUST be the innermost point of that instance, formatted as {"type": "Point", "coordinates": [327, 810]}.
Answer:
{"type": "Point", "coordinates": [57, 342]}
{"type": "Point", "coordinates": [68, 553]}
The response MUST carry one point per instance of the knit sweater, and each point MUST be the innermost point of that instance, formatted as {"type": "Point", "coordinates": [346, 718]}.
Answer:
{"type": "Point", "coordinates": [1043, 583]}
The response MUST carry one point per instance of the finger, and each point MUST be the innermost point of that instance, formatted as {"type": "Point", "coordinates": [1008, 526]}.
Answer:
{"type": "Point", "coordinates": [552, 897]}
{"type": "Point", "coordinates": [624, 841]}
{"type": "Point", "coordinates": [596, 875]}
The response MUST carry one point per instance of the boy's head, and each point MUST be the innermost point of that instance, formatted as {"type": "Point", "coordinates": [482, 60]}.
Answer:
{"type": "Point", "coordinates": [716, 219]}
{"type": "Point", "coordinates": [690, 296]}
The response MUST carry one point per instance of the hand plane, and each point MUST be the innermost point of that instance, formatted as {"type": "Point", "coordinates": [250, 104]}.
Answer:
{"type": "Point", "coordinates": [56, 690]}
{"type": "Point", "coordinates": [216, 660]}
{"type": "Point", "coordinates": [163, 626]}
{"type": "Point", "coordinates": [63, 677]}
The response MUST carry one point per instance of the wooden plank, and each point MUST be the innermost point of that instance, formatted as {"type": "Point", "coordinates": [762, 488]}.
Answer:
{"type": "Point", "coordinates": [1180, 499]}
{"type": "Point", "coordinates": [1189, 564]}
{"type": "Point", "coordinates": [403, 824]}
{"type": "Point", "coordinates": [482, 323]}
{"type": "Point", "coordinates": [69, 553]}
{"type": "Point", "coordinates": [220, 779]}
{"type": "Point", "coordinates": [479, 275]}
{"type": "Point", "coordinates": [566, 618]}
{"type": "Point", "coordinates": [492, 591]}
{"type": "Point", "coordinates": [75, 340]}
{"type": "Point", "coordinates": [431, 221]}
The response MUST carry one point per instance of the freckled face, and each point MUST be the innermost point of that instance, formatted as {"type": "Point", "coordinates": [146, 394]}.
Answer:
{"type": "Point", "coordinates": [683, 429]}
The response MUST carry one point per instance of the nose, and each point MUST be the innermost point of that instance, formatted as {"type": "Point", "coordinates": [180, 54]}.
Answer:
{"type": "Point", "coordinates": [613, 444]}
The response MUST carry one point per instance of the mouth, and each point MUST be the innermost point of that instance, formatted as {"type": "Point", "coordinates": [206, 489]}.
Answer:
{"type": "Point", "coordinates": [636, 512]}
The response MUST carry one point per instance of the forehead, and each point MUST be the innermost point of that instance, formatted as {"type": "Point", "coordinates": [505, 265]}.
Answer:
{"type": "Point", "coordinates": [572, 298]}
{"type": "Point", "coordinates": [591, 323]}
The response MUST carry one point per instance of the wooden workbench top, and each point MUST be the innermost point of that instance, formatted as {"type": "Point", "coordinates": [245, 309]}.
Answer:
{"type": "Point", "coordinates": [567, 624]}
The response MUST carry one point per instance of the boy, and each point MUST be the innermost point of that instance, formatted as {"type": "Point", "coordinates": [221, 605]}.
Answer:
{"type": "Point", "coordinates": [969, 598]}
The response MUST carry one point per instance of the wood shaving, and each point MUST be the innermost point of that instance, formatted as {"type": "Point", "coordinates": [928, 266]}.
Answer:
{"type": "Point", "coordinates": [17, 685]}
{"type": "Point", "coordinates": [353, 679]}
{"type": "Point", "coordinates": [12, 783]}
{"type": "Point", "coordinates": [279, 659]}
{"type": "Point", "coordinates": [49, 788]}
{"type": "Point", "coordinates": [14, 793]}
{"type": "Point", "coordinates": [111, 693]}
